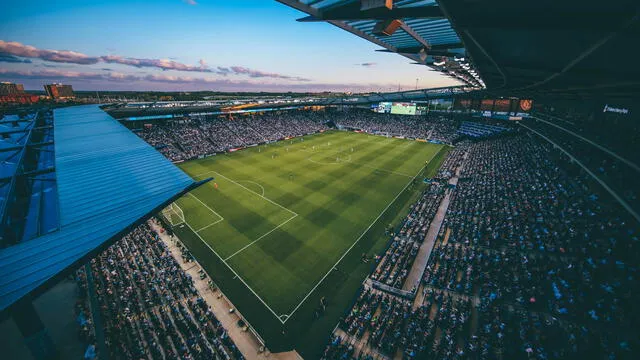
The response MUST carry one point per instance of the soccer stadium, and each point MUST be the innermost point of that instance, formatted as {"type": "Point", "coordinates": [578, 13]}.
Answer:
{"type": "Point", "coordinates": [485, 206]}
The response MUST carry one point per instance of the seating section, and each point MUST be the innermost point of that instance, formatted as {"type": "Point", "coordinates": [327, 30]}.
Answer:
{"type": "Point", "coordinates": [394, 265]}
{"type": "Point", "coordinates": [610, 169]}
{"type": "Point", "coordinates": [479, 131]}
{"type": "Point", "coordinates": [532, 260]}
{"type": "Point", "coordinates": [150, 307]}
{"type": "Point", "coordinates": [201, 136]}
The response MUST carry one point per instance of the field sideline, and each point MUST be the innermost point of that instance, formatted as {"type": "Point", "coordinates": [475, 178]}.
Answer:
{"type": "Point", "coordinates": [281, 217]}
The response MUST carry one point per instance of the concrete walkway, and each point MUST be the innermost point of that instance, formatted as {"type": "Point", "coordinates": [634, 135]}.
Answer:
{"type": "Point", "coordinates": [422, 258]}
{"type": "Point", "coordinates": [245, 340]}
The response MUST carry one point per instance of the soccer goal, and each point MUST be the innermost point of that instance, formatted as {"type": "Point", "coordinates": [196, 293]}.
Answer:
{"type": "Point", "coordinates": [173, 214]}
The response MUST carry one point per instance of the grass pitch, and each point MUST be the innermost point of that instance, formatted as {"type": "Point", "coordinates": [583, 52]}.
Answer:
{"type": "Point", "coordinates": [280, 223]}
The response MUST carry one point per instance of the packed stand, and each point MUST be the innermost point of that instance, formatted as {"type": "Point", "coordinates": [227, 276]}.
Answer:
{"type": "Point", "coordinates": [538, 262]}
{"type": "Point", "coordinates": [378, 323]}
{"type": "Point", "coordinates": [199, 136]}
{"type": "Point", "coordinates": [616, 173]}
{"type": "Point", "coordinates": [436, 127]}
{"type": "Point", "coordinates": [150, 306]}
{"type": "Point", "coordinates": [394, 266]}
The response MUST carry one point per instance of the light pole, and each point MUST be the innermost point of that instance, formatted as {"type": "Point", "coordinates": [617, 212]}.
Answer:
{"type": "Point", "coordinates": [416, 83]}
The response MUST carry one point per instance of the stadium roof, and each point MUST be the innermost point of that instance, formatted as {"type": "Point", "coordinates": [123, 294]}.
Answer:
{"type": "Point", "coordinates": [416, 29]}
{"type": "Point", "coordinates": [550, 48]}
{"type": "Point", "coordinates": [168, 112]}
{"type": "Point", "coordinates": [108, 179]}
{"type": "Point", "coordinates": [571, 49]}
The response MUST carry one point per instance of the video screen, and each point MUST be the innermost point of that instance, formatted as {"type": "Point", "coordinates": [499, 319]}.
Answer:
{"type": "Point", "coordinates": [384, 107]}
{"type": "Point", "coordinates": [403, 108]}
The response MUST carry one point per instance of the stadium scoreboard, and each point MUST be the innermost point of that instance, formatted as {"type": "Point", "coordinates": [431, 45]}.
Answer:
{"type": "Point", "coordinates": [399, 108]}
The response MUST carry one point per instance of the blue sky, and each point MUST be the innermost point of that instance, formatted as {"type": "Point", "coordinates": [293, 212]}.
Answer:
{"type": "Point", "coordinates": [222, 44]}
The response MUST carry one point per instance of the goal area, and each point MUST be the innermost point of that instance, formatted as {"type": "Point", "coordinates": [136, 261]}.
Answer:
{"type": "Point", "coordinates": [173, 214]}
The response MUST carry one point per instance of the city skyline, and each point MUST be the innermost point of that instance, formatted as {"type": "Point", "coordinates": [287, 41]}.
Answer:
{"type": "Point", "coordinates": [193, 45]}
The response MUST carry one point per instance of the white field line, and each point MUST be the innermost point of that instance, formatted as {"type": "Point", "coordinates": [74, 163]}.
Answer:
{"type": "Point", "coordinates": [208, 226]}
{"type": "Point", "coordinates": [260, 238]}
{"type": "Point", "coordinates": [288, 316]}
{"type": "Point", "coordinates": [360, 237]}
{"type": "Point", "coordinates": [236, 274]}
{"type": "Point", "coordinates": [210, 209]}
{"type": "Point", "coordinates": [255, 183]}
{"type": "Point", "coordinates": [246, 188]}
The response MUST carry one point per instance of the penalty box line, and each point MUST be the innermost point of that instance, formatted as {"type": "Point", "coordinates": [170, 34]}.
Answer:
{"type": "Point", "coordinates": [237, 275]}
{"type": "Point", "coordinates": [221, 218]}
{"type": "Point", "coordinates": [358, 239]}
{"type": "Point", "coordinates": [246, 188]}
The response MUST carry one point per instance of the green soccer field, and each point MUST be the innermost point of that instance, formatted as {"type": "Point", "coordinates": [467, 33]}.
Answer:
{"type": "Point", "coordinates": [282, 216]}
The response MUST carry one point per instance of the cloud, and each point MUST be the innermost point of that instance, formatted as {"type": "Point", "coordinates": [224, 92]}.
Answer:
{"type": "Point", "coordinates": [260, 74]}
{"type": "Point", "coordinates": [190, 2]}
{"type": "Point", "coordinates": [63, 56]}
{"type": "Point", "coordinates": [164, 82]}
{"type": "Point", "coordinates": [367, 64]}
{"type": "Point", "coordinates": [164, 64]}
{"type": "Point", "coordinates": [17, 50]}
{"type": "Point", "coordinates": [12, 59]}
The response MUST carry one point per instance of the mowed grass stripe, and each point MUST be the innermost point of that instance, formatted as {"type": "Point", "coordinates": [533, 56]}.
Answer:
{"type": "Point", "coordinates": [347, 212]}
{"type": "Point", "coordinates": [247, 216]}
{"type": "Point", "coordinates": [335, 204]}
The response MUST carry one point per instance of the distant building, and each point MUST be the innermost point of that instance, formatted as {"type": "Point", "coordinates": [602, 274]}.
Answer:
{"type": "Point", "coordinates": [7, 88]}
{"type": "Point", "coordinates": [59, 91]}
{"type": "Point", "coordinates": [23, 98]}
{"type": "Point", "coordinates": [11, 93]}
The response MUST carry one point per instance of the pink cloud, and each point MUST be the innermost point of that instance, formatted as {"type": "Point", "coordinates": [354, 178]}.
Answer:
{"type": "Point", "coordinates": [18, 50]}
{"type": "Point", "coordinates": [63, 56]}
{"type": "Point", "coordinates": [261, 74]}
{"type": "Point", "coordinates": [164, 64]}
{"type": "Point", "coordinates": [120, 81]}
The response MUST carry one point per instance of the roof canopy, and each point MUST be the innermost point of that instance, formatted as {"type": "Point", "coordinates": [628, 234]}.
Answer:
{"type": "Point", "coordinates": [570, 49]}
{"type": "Point", "coordinates": [108, 179]}
{"type": "Point", "coordinates": [416, 29]}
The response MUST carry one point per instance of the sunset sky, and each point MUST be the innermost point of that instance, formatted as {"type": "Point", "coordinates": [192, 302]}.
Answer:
{"type": "Point", "coordinates": [239, 45]}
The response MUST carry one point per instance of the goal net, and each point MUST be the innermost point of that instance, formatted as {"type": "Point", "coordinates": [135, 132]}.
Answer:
{"type": "Point", "coordinates": [173, 214]}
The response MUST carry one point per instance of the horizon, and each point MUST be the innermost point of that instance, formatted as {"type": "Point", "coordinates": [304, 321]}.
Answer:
{"type": "Point", "coordinates": [188, 46]}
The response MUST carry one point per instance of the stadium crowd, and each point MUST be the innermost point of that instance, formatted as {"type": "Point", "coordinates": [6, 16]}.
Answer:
{"type": "Point", "coordinates": [533, 260]}
{"type": "Point", "coordinates": [198, 136]}
{"type": "Point", "coordinates": [395, 264]}
{"type": "Point", "coordinates": [615, 172]}
{"type": "Point", "coordinates": [149, 305]}
{"type": "Point", "coordinates": [435, 127]}
{"type": "Point", "coordinates": [539, 264]}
